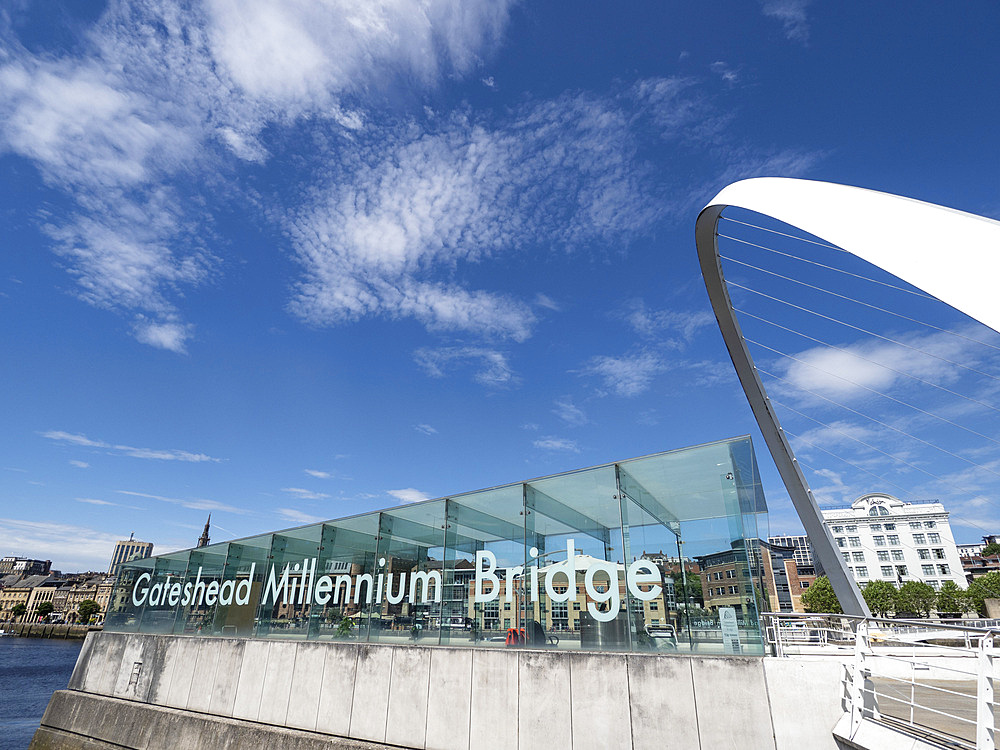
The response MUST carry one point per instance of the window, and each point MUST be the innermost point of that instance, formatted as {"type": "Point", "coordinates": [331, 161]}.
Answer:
{"type": "Point", "coordinates": [927, 570]}
{"type": "Point", "coordinates": [862, 571]}
{"type": "Point", "coordinates": [900, 570]}
{"type": "Point", "coordinates": [886, 571]}
{"type": "Point", "coordinates": [939, 554]}
{"type": "Point", "coordinates": [855, 541]}
{"type": "Point", "coordinates": [838, 529]}
{"type": "Point", "coordinates": [890, 527]}
{"type": "Point", "coordinates": [859, 556]}
{"type": "Point", "coordinates": [893, 538]}
{"type": "Point", "coordinates": [919, 539]}
{"type": "Point", "coordinates": [934, 538]}
{"type": "Point", "coordinates": [883, 555]}
{"type": "Point", "coordinates": [655, 605]}
{"type": "Point", "coordinates": [730, 573]}
{"type": "Point", "coordinates": [846, 556]}
{"type": "Point", "coordinates": [734, 589]}
{"type": "Point", "coordinates": [576, 606]}
{"type": "Point", "coordinates": [915, 525]}
{"type": "Point", "coordinates": [935, 584]}
{"type": "Point", "coordinates": [506, 622]}
{"type": "Point", "coordinates": [873, 512]}
{"type": "Point", "coordinates": [879, 541]}
{"type": "Point", "coordinates": [876, 527]}
{"type": "Point", "coordinates": [851, 529]}
{"type": "Point", "coordinates": [943, 570]}
{"type": "Point", "coordinates": [929, 524]}
{"type": "Point", "coordinates": [804, 584]}
{"type": "Point", "coordinates": [924, 554]}
{"type": "Point", "coordinates": [883, 512]}
{"type": "Point", "coordinates": [897, 554]}
{"type": "Point", "coordinates": [841, 542]}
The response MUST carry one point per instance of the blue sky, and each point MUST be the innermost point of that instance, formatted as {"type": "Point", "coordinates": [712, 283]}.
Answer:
{"type": "Point", "coordinates": [286, 265]}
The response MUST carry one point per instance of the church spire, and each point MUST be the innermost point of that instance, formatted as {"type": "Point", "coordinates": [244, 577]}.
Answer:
{"type": "Point", "coordinates": [203, 540]}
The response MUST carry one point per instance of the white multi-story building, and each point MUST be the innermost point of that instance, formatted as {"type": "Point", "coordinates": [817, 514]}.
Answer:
{"type": "Point", "coordinates": [883, 538]}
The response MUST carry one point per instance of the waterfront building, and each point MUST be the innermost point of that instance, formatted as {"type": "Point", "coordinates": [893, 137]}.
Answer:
{"type": "Point", "coordinates": [18, 593]}
{"type": "Point", "coordinates": [726, 577]}
{"type": "Point", "coordinates": [883, 538]}
{"type": "Point", "coordinates": [128, 550]}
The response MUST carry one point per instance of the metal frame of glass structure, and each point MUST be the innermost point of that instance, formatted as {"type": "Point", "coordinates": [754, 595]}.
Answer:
{"type": "Point", "coordinates": [593, 559]}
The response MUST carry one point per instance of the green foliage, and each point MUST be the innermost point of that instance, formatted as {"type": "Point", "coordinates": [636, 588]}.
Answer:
{"type": "Point", "coordinates": [819, 597]}
{"type": "Point", "coordinates": [916, 596]}
{"type": "Point", "coordinates": [982, 588]}
{"type": "Point", "coordinates": [18, 610]}
{"type": "Point", "coordinates": [44, 609]}
{"type": "Point", "coordinates": [691, 595]}
{"type": "Point", "coordinates": [881, 597]}
{"type": "Point", "coordinates": [991, 550]}
{"type": "Point", "coordinates": [952, 598]}
{"type": "Point", "coordinates": [87, 609]}
{"type": "Point", "coordinates": [345, 627]}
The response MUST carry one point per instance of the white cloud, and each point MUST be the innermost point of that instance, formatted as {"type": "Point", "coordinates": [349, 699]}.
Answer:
{"type": "Point", "coordinates": [724, 71]}
{"type": "Point", "coordinates": [169, 336]}
{"type": "Point", "coordinates": [792, 15]}
{"type": "Point", "coordinates": [492, 367]}
{"type": "Point", "coordinates": [304, 494]}
{"type": "Point", "coordinates": [297, 516]}
{"type": "Point", "coordinates": [569, 412]}
{"type": "Point", "coordinates": [318, 474]}
{"type": "Point", "coordinates": [409, 495]}
{"type": "Point", "coordinates": [169, 454]}
{"type": "Point", "coordinates": [79, 464]}
{"type": "Point", "coordinates": [627, 376]}
{"type": "Point", "coordinates": [94, 501]}
{"type": "Point", "coordinates": [425, 428]}
{"type": "Point", "coordinates": [556, 444]}
{"type": "Point", "coordinates": [192, 503]}
{"type": "Point", "coordinates": [678, 326]}
{"type": "Point", "coordinates": [69, 547]}
{"type": "Point", "coordinates": [561, 174]}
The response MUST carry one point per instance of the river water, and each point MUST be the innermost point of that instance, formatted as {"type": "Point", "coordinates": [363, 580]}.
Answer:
{"type": "Point", "coordinates": [31, 669]}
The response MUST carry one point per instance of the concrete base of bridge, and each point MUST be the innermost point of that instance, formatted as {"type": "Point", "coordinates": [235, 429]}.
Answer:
{"type": "Point", "coordinates": [153, 692]}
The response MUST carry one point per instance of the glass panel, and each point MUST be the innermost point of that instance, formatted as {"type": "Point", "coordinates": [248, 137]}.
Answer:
{"type": "Point", "coordinates": [286, 599]}
{"type": "Point", "coordinates": [165, 593]}
{"type": "Point", "coordinates": [205, 575]}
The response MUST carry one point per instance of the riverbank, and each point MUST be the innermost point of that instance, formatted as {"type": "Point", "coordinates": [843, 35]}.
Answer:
{"type": "Point", "coordinates": [42, 630]}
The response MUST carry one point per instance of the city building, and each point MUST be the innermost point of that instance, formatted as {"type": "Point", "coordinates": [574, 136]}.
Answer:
{"type": "Point", "coordinates": [18, 593]}
{"type": "Point", "coordinates": [883, 538]}
{"type": "Point", "coordinates": [128, 550]}
{"type": "Point", "coordinates": [24, 566]}
{"type": "Point", "coordinates": [976, 549]}
{"type": "Point", "coordinates": [802, 550]}
{"type": "Point", "coordinates": [728, 578]}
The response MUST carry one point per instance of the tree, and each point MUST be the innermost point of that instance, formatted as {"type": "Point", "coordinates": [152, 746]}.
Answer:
{"type": "Point", "coordinates": [18, 610]}
{"type": "Point", "coordinates": [44, 609]}
{"type": "Point", "coordinates": [345, 627]}
{"type": "Point", "coordinates": [991, 550]}
{"type": "Point", "coordinates": [690, 595]}
{"type": "Point", "coordinates": [983, 588]}
{"type": "Point", "coordinates": [87, 609]}
{"type": "Point", "coordinates": [881, 597]}
{"type": "Point", "coordinates": [952, 598]}
{"type": "Point", "coordinates": [916, 596]}
{"type": "Point", "coordinates": [819, 597]}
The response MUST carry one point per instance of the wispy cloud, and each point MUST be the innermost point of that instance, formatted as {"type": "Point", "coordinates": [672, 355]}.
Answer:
{"type": "Point", "coordinates": [674, 328]}
{"type": "Point", "coordinates": [425, 428]}
{"type": "Point", "coordinates": [297, 516]}
{"type": "Point", "coordinates": [409, 495]}
{"type": "Point", "coordinates": [304, 494]}
{"type": "Point", "coordinates": [792, 15]}
{"type": "Point", "coordinates": [318, 474]}
{"type": "Point", "coordinates": [556, 444]}
{"type": "Point", "coordinates": [70, 547]}
{"type": "Point", "coordinates": [569, 412]}
{"type": "Point", "coordinates": [169, 454]}
{"type": "Point", "coordinates": [192, 503]}
{"type": "Point", "coordinates": [628, 375]}
{"type": "Point", "coordinates": [94, 501]}
{"type": "Point", "coordinates": [79, 464]}
{"type": "Point", "coordinates": [491, 367]}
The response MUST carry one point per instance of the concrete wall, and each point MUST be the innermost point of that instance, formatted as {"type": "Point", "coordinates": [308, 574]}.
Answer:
{"type": "Point", "coordinates": [441, 698]}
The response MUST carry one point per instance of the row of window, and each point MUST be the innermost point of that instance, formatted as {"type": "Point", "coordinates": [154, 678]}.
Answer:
{"type": "Point", "coordinates": [717, 575]}
{"type": "Point", "coordinates": [914, 526]}
{"type": "Point", "coordinates": [880, 540]}
{"type": "Point", "coordinates": [890, 571]}
{"type": "Point", "coordinates": [897, 555]}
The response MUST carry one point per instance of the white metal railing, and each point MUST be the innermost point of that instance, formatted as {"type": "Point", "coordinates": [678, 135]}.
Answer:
{"type": "Point", "coordinates": [929, 678]}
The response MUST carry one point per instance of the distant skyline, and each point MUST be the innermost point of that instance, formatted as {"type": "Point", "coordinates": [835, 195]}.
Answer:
{"type": "Point", "coordinates": [285, 265]}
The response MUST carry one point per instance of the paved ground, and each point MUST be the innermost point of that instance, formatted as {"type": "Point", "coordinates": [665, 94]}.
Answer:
{"type": "Point", "coordinates": [895, 698]}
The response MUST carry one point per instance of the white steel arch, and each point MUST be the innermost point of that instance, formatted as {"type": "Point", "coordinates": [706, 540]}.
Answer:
{"type": "Point", "coordinates": [952, 255]}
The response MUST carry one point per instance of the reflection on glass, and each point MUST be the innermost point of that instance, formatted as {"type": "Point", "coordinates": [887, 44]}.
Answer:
{"type": "Point", "coordinates": [659, 553]}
